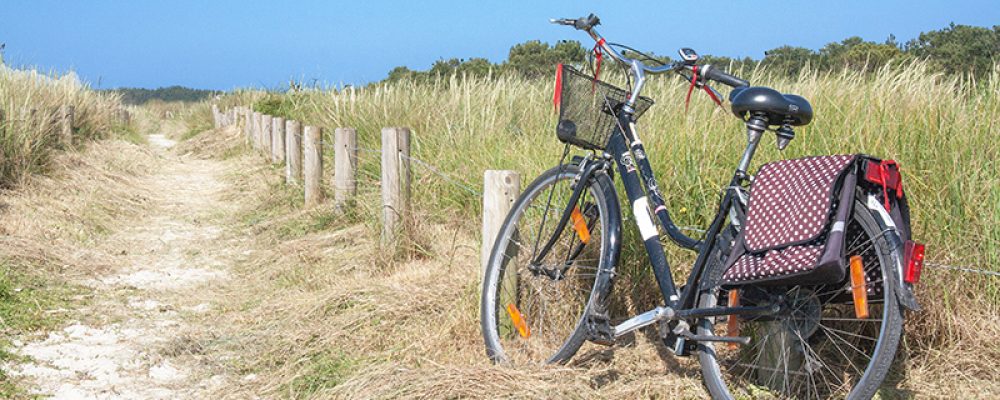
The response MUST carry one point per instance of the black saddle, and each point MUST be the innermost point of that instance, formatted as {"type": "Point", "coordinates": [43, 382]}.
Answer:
{"type": "Point", "coordinates": [778, 108]}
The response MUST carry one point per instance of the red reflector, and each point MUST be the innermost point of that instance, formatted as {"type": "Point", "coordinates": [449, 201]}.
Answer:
{"type": "Point", "coordinates": [913, 258]}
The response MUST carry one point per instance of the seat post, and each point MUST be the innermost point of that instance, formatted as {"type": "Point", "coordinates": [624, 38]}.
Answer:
{"type": "Point", "coordinates": [755, 129]}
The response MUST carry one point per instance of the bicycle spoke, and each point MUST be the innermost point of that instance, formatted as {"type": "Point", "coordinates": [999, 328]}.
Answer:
{"type": "Point", "coordinates": [815, 347]}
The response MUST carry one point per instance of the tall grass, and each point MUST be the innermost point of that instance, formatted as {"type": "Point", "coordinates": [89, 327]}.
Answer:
{"type": "Point", "coordinates": [29, 104]}
{"type": "Point", "coordinates": [941, 129]}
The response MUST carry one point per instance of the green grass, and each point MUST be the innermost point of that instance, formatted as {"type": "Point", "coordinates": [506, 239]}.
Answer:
{"type": "Point", "coordinates": [28, 303]}
{"type": "Point", "coordinates": [279, 199]}
{"type": "Point", "coordinates": [323, 371]}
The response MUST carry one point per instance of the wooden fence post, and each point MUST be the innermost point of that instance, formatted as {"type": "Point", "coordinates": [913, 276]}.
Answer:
{"type": "Point", "coordinates": [278, 140]}
{"type": "Point", "coordinates": [313, 165]}
{"type": "Point", "coordinates": [293, 151]}
{"type": "Point", "coordinates": [216, 117]}
{"type": "Point", "coordinates": [345, 163]}
{"type": "Point", "coordinates": [66, 123]}
{"type": "Point", "coordinates": [395, 182]}
{"type": "Point", "coordinates": [248, 124]}
{"type": "Point", "coordinates": [265, 130]}
{"type": "Point", "coordinates": [500, 190]}
{"type": "Point", "coordinates": [256, 130]}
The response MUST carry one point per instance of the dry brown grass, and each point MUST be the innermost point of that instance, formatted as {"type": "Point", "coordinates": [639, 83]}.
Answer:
{"type": "Point", "coordinates": [52, 219]}
{"type": "Point", "coordinates": [325, 313]}
{"type": "Point", "coordinates": [30, 116]}
{"type": "Point", "coordinates": [317, 309]}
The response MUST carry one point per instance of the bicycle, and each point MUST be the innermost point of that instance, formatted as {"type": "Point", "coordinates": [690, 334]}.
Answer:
{"type": "Point", "coordinates": [791, 334]}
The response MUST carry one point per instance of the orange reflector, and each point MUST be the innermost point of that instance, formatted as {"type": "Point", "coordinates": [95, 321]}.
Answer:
{"type": "Point", "coordinates": [580, 225]}
{"type": "Point", "coordinates": [858, 288]}
{"type": "Point", "coordinates": [733, 324]}
{"type": "Point", "coordinates": [518, 320]}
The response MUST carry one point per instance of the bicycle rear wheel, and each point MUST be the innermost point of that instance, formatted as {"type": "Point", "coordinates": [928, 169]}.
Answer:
{"type": "Point", "coordinates": [817, 347]}
{"type": "Point", "coordinates": [534, 313]}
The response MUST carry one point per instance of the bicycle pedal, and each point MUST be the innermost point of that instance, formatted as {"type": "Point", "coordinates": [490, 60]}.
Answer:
{"type": "Point", "coordinates": [599, 330]}
{"type": "Point", "coordinates": [679, 345]}
{"type": "Point", "coordinates": [672, 341]}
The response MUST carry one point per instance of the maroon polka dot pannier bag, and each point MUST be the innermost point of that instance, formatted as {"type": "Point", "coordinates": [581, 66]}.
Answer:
{"type": "Point", "coordinates": [794, 232]}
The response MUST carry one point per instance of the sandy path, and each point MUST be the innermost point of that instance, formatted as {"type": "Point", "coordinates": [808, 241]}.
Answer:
{"type": "Point", "coordinates": [129, 343]}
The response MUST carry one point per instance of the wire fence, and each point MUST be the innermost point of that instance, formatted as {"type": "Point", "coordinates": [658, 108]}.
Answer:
{"type": "Point", "coordinates": [963, 269]}
{"type": "Point", "coordinates": [431, 168]}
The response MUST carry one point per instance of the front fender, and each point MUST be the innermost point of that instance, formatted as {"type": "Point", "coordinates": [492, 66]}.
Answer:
{"type": "Point", "coordinates": [614, 230]}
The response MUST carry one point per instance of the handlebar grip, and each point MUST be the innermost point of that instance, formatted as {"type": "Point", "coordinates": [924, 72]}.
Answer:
{"type": "Point", "coordinates": [585, 23]}
{"type": "Point", "coordinates": [722, 77]}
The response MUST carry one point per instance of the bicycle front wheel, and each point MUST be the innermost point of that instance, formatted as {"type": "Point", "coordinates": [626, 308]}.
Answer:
{"type": "Point", "coordinates": [817, 347]}
{"type": "Point", "coordinates": [534, 311]}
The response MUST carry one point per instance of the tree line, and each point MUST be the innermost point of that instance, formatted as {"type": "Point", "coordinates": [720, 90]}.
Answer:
{"type": "Point", "coordinates": [140, 96]}
{"type": "Point", "coordinates": [956, 49]}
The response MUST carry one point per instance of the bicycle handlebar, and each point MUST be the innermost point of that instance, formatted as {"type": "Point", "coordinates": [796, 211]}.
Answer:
{"type": "Point", "coordinates": [588, 23]}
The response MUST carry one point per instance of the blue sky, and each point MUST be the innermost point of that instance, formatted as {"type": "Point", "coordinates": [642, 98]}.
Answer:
{"type": "Point", "coordinates": [228, 44]}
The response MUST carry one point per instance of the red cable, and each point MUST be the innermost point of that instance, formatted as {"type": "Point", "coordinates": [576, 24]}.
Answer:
{"type": "Point", "coordinates": [712, 95]}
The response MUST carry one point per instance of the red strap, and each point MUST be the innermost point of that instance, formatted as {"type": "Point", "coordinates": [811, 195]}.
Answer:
{"type": "Point", "coordinates": [885, 173]}
{"type": "Point", "coordinates": [694, 82]}
{"type": "Point", "coordinates": [899, 177]}
{"type": "Point", "coordinates": [557, 94]}
{"type": "Point", "coordinates": [694, 78]}
{"type": "Point", "coordinates": [599, 55]}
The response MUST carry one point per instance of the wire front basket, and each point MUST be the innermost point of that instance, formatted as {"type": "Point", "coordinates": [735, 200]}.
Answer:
{"type": "Point", "coordinates": [588, 108]}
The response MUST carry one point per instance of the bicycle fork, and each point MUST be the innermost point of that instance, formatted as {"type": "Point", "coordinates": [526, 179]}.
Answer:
{"type": "Point", "coordinates": [587, 171]}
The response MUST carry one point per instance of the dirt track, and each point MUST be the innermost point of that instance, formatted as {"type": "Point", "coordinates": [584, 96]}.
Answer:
{"type": "Point", "coordinates": [129, 343]}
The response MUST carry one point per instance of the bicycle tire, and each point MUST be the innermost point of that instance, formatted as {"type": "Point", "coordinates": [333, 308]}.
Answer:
{"type": "Point", "coordinates": [805, 365]}
{"type": "Point", "coordinates": [545, 344]}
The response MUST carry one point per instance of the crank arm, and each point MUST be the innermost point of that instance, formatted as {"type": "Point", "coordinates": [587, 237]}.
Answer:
{"type": "Point", "coordinates": [643, 320]}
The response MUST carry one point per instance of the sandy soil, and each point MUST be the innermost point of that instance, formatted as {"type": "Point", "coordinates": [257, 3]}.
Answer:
{"type": "Point", "coordinates": [129, 342]}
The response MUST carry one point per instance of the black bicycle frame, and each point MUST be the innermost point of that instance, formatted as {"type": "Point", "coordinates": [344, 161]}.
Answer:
{"type": "Point", "coordinates": [643, 194]}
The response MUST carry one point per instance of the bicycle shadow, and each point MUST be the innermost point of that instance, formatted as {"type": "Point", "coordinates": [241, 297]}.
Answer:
{"type": "Point", "coordinates": [593, 358]}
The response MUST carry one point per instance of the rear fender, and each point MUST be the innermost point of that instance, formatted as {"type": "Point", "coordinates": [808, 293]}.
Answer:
{"type": "Point", "coordinates": [892, 236]}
